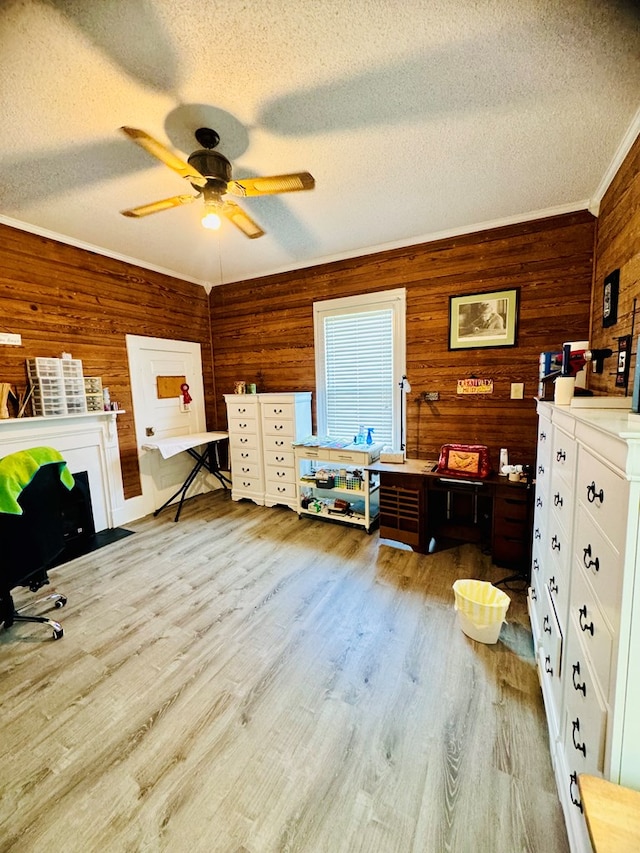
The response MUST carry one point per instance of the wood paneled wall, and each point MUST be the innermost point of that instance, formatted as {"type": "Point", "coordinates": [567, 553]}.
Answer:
{"type": "Point", "coordinates": [618, 247]}
{"type": "Point", "coordinates": [61, 298]}
{"type": "Point", "coordinates": [263, 328]}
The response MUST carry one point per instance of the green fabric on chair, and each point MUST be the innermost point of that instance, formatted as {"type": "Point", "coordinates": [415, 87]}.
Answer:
{"type": "Point", "coordinates": [18, 469]}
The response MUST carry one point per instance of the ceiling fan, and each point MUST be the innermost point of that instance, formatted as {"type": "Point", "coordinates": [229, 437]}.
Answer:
{"type": "Point", "coordinates": [209, 172]}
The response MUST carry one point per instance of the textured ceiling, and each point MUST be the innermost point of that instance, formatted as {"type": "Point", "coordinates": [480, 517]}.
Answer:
{"type": "Point", "coordinates": [417, 119]}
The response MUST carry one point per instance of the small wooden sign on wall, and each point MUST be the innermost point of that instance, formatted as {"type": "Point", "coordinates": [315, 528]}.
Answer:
{"type": "Point", "coordinates": [169, 386]}
{"type": "Point", "coordinates": [475, 386]}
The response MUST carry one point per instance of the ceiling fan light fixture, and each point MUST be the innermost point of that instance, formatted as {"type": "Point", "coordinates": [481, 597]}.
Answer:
{"type": "Point", "coordinates": [211, 220]}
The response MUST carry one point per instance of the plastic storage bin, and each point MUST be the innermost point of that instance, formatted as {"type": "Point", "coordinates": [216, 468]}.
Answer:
{"type": "Point", "coordinates": [481, 608]}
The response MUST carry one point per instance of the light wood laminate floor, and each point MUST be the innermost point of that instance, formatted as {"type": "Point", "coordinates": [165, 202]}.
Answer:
{"type": "Point", "coordinates": [246, 682]}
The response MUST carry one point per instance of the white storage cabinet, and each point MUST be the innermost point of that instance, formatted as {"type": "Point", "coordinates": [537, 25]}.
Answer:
{"type": "Point", "coordinates": [262, 429]}
{"type": "Point", "coordinates": [584, 598]}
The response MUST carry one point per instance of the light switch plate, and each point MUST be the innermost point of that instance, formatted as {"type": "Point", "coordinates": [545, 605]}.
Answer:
{"type": "Point", "coordinates": [517, 390]}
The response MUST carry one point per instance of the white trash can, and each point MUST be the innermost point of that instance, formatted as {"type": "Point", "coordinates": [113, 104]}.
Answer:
{"type": "Point", "coordinates": [481, 608]}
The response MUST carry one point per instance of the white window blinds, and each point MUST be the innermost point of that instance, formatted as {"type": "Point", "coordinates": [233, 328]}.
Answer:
{"type": "Point", "coordinates": [359, 353]}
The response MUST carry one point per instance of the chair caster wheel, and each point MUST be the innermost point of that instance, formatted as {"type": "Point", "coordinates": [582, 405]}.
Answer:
{"type": "Point", "coordinates": [60, 602]}
{"type": "Point", "coordinates": [57, 633]}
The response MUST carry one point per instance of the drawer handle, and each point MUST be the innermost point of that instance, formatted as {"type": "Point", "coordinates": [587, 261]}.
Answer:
{"type": "Point", "coordinates": [244, 455]}
{"type": "Point", "coordinates": [244, 440]}
{"type": "Point", "coordinates": [282, 488]}
{"type": "Point", "coordinates": [553, 586]}
{"type": "Point", "coordinates": [547, 665]}
{"type": "Point", "coordinates": [557, 499]}
{"type": "Point", "coordinates": [578, 686]}
{"type": "Point", "coordinates": [593, 495]}
{"type": "Point", "coordinates": [277, 411]}
{"type": "Point", "coordinates": [279, 443]}
{"type": "Point", "coordinates": [536, 564]}
{"type": "Point", "coordinates": [246, 470]}
{"type": "Point", "coordinates": [245, 484]}
{"type": "Point", "coordinates": [591, 563]}
{"type": "Point", "coordinates": [574, 781]}
{"type": "Point", "coordinates": [540, 469]}
{"type": "Point", "coordinates": [279, 458]}
{"type": "Point", "coordinates": [555, 543]}
{"type": "Point", "coordinates": [278, 426]}
{"type": "Point", "coordinates": [242, 426]}
{"type": "Point", "coordinates": [242, 411]}
{"type": "Point", "coordinates": [586, 626]}
{"type": "Point", "coordinates": [581, 747]}
{"type": "Point", "coordinates": [281, 473]}
{"type": "Point", "coordinates": [534, 594]}
{"type": "Point", "coordinates": [543, 436]}
{"type": "Point", "coordinates": [537, 534]}
{"type": "Point", "coordinates": [546, 625]}
{"type": "Point", "coordinates": [538, 501]}
{"type": "Point", "coordinates": [561, 456]}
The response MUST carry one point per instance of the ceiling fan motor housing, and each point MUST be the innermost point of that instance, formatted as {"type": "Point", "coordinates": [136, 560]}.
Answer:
{"type": "Point", "coordinates": [214, 166]}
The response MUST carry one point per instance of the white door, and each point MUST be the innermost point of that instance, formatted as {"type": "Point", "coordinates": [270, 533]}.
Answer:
{"type": "Point", "coordinates": [157, 417]}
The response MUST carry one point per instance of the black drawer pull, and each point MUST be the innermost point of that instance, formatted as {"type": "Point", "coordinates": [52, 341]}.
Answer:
{"type": "Point", "coordinates": [591, 563]}
{"type": "Point", "coordinates": [578, 686]}
{"type": "Point", "coordinates": [281, 473]}
{"type": "Point", "coordinates": [536, 564]}
{"type": "Point", "coordinates": [246, 470]}
{"type": "Point", "coordinates": [555, 543]}
{"type": "Point", "coordinates": [277, 411]}
{"type": "Point", "coordinates": [244, 440]}
{"type": "Point", "coordinates": [537, 534]}
{"type": "Point", "coordinates": [242, 426]}
{"type": "Point", "coordinates": [561, 456]}
{"type": "Point", "coordinates": [282, 488]}
{"type": "Point", "coordinates": [586, 626]}
{"type": "Point", "coordinates": [278, 426]}
{"type": "Point", "coordinates": [543, 436]}
{"type": "Point", "coordinates": [593, 495]}
{"type": "Point", "coordinates": [279, 443]}
{"type": "Point", "coordinates": [540, 469]}
{"type": "Point", "coordinates": [546, 625]}
{"type": "Point", "coordinates": [557, 499]}
{"type": "Point", "coordinates": [574, 781]}
{"type": "Point", "coordinates": [279, 458]}
{"type": "Point", "coordinates": [241, 411]}
{"type": "Point", "coordinates": [539, 501]}
{"type": "Point", "coordinates": [547, 665]}
{"type": "Point", "coordinates": [553, 586]}
{"type": "Point", "coordinates": [534, 594]}
{"type": "Point", "coordinates": [581, 747]}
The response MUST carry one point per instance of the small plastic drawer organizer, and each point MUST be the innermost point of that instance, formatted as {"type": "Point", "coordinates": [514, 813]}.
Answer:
{"type": "Point", "coordinates": [57, 386]}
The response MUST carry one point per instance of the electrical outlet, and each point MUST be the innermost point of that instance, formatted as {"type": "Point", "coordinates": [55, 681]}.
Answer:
{"type": "Point", "coordinates": [430, 396]}
{"type": "Point", "coordinates": [517, 390]}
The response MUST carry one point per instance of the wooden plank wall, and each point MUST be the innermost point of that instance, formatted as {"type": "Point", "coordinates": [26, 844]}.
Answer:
{"type": "Point", "coordinates": [263, 328]}
{"type": "Point", "coordinates": [61, 298]}
{"type": "Point", "coordinates": [618, 247]}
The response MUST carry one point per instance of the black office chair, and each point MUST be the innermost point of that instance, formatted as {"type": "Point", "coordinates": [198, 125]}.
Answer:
{"type": "Point", "coordinates": [29, 543]}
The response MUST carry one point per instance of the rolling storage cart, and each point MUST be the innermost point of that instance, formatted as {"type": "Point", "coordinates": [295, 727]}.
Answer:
{"type": "Point", "coordinates": [333, 481]}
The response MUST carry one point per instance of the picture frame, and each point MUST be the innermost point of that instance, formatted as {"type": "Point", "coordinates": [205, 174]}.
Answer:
{"type": "Point", "coordinates": [610, 292]}
{"type": "Point", "coordinates": [487, 319]}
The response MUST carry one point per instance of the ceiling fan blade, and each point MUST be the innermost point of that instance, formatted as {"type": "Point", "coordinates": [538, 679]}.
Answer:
{"type": "Point", "coordinates": [275, 184]}
{"type": "Point", "coordinates": [158, 150]}
{"type": "Point", "coordinates": [235, 214]}
{"type": "Point", "coordinates": [157, 206]}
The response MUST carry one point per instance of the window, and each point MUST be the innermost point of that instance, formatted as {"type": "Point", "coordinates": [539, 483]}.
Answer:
{"type": "Point", "coordinates": [360, 361]}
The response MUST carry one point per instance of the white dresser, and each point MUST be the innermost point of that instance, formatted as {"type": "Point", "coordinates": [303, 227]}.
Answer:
{"type": "Point", "coordinates": [584, 598]}
{"type": "Point", "coordinates": [262, 429]}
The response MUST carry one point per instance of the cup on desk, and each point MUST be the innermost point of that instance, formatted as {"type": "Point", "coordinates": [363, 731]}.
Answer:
{"type": "Point", "coordinates": [240, 388]}
{"type": "Point", "coordinates": [252, 388]}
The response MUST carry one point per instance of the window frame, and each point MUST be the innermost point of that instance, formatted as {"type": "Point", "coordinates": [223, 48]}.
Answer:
{"type": "Point", "coordinates": [395, 299]}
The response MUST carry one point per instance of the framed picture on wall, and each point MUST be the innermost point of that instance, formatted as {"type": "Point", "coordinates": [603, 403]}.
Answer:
{"type": "Point", "coordinates": [483, 319]}
{"type": "Point", "coordinates": [610, 291]}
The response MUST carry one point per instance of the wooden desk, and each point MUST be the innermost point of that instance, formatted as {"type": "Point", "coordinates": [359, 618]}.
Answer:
{"type": "Point", "coordinates": [612, 813]}
{"type": "Point", "coordinates": [427, 511]}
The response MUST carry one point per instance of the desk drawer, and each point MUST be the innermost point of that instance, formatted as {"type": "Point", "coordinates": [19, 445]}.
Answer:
{"type": "Point", "coordinates": [246, 469]}
{"type": "Point", "coordinates": [277, 443]}
{"type": "Point", "coordinates": [279, 411]}
{"type": "Point", "coordinates": [243, 425]}
{"type": "Point", "coordinates": [242, 440]}
{"type": "Point", "coordinates": [244, 456]}
{"type": "Point", "coordinates": [279, 427]}
{"type": "Point", "coordinates": [279, 457]}
{"type": "Point", "coordinates": [243, 408]}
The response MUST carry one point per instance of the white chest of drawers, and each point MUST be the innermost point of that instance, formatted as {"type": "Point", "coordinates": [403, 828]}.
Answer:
{"type": "Point", "coordinates": [262, 429]}
{"type": "Point", "coordinates": [584, 599]}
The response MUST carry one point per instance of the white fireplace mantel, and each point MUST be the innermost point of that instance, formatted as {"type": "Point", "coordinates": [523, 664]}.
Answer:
{"type": "Point", "coordinates": [88, 442]}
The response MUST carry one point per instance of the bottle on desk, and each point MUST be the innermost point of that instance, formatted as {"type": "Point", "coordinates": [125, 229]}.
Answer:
{"type": "Point", "coordinates": [504, 461]}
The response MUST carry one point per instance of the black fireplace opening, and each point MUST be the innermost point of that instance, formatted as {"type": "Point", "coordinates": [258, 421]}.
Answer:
{"type": "Point", "coordinates": [78, 525]}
